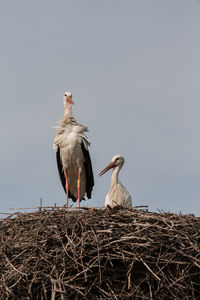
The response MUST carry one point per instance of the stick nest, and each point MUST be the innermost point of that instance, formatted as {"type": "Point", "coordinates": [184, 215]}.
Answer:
{"type": "Point", "coordinates": [100, 254]}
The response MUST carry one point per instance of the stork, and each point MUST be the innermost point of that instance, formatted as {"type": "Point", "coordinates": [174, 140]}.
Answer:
{"type": "Point", "coordinates": [73, 158]}
{"type": "Point", "coordinates": [118, 194]}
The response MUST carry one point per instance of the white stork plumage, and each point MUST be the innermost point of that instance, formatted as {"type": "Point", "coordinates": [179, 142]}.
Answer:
{"type": "Point", "coordinates": [73, 158]}
{"type": "Point", "coordinates": [118, 194]}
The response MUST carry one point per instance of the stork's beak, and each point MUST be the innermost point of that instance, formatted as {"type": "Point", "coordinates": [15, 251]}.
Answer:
{"type": "Point", "coordinates": [69, 99]}
{"type": "Point", "coordinates": [110, 166]}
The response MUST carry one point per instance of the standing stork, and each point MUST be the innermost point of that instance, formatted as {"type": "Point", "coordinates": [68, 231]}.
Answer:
{"type": "Point", "coordinates": [118, 194]}
{"type": "Point", "coordinates": [73, 158]}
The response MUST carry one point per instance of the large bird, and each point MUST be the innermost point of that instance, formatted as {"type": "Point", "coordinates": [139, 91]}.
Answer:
{"type": "Point", "coordinates": [118, 194]}
{"type": "Point", "coordinates": [73, 158]}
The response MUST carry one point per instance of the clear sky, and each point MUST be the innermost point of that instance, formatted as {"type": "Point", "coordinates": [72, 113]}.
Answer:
{"type": "Point", "coordinates": [133, 68]}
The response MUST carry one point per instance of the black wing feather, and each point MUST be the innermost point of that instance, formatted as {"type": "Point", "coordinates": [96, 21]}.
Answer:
{"type": "Point", "coordinates": [62, 174]}
{"type": "Point", "coordinates": [88, 171]}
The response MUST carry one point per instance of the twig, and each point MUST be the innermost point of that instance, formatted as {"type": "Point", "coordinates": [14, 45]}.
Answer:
{"type": "Point", "coordinates": [149, 269]}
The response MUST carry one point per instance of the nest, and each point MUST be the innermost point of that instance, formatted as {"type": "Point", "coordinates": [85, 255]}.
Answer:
{"type": "Point", "coordinates": [100, 254]}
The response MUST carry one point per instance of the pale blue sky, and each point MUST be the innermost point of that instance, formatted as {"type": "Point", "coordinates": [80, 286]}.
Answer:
{"type": "Point", "coordinates": [133, 68]}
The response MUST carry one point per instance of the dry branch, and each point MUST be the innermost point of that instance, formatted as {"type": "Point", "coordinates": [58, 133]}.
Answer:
{"type": "Point", "coordinates": [99, 254]}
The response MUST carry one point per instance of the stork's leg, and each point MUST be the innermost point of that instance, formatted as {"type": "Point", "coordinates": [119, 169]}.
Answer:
{"type": "Point", "coordinates": [78, 186]}
{"type": "Point", "coordinates": [67, 188]}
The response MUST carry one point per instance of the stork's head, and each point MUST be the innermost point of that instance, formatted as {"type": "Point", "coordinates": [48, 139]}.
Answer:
{"type": "Point", "coordinates": [67, 98]}
{"type": "Point", "coordinates": [117, 160]}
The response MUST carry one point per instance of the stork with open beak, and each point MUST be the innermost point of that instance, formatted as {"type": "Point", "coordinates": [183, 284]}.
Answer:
{"type": "Point", "coordinates": [73, 158]}
{"type": "Point", "coordinates": [118, 194]}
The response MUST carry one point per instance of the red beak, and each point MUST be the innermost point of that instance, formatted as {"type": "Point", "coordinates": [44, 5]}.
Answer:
{"type": "Point", "coordinates": [69, 99]}
{"type": "Point", "coordinates": [110, 166]}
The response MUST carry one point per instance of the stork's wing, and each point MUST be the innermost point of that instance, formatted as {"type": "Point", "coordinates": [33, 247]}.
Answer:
{"type": "Point", "coordinates": [60, 169]}
{"type": "Point", "coordinates": [88, 171]}
{"type": "Point", "coordinates": [62, 174]}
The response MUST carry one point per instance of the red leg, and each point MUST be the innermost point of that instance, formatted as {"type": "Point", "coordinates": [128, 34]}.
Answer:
{"type": "Point", "coordinates": [67, 187]}
{"type": "Point", "coordinates": [78, 187]}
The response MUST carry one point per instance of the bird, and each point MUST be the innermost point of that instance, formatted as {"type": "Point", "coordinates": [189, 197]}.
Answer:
{"type": "Point", "coordinates": [72, 155]}
{"type": "Point", "coordinates": [118, 194]}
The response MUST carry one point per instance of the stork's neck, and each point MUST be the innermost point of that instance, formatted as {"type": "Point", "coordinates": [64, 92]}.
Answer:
{"type": "Point", "coordinates": [68, 117]}
{"type": "Point", "coordinates": [114, 177]}
{"type": "Point", "coordinates": [68, 109]}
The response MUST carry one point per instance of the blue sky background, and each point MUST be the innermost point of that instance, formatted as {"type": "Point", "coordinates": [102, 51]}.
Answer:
{"type": "Point", "coordinates": [133, 68]}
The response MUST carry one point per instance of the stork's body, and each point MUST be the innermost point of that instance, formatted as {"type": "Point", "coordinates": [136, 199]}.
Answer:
{"type": "Point", "coordinates": [73, 159]}
{"type": "Point", "coordinates": [118, 194]}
